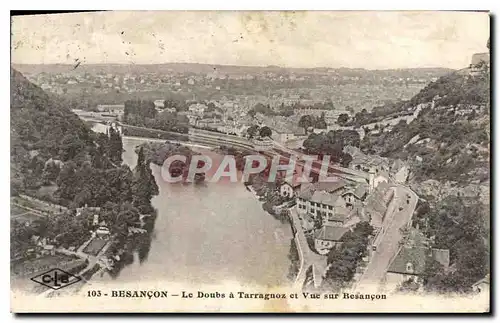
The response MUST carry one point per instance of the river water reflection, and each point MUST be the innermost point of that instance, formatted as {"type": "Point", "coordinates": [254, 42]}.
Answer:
{"type": "Point", "coordinates": [210, 233]}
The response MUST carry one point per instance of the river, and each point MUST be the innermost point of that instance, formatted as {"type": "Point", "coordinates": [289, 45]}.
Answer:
{"type": "Point", "coordinates": [209, 234]}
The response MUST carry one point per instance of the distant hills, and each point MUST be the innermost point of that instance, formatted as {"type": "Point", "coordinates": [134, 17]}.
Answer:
{"type": "Point", "coordinates": [222, 69]}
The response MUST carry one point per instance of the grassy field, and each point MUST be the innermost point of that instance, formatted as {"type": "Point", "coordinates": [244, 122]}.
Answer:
{"type": "Point", "coordinates": [95, 246]}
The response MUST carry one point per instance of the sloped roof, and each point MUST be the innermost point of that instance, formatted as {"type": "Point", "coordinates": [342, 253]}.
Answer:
{"type": "Point", "coordinates": [292, 183]}
{"type": "Point", "coordinates": [360, 190]}
{"type": "Point", "coordinates": [331, 233]}
{"type": "Point", "coordinates": [415, 256]}
{"type": "Point", "coordinates": [340, 214]}
{"type": "Point", "coordinates": [306, 192]}
{"type": "Point", "coordinates": [330, 186]}
{"type": "Point", "coordinates": [375, 204]}
{"type": "Point", "coordinates": [324, 198]}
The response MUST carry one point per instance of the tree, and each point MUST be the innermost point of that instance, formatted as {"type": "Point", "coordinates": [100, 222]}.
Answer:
{"type": "Point", "coordinates": [66, 181]}
{"type": "Point", "coordinates": [252, 113]}
{"type": "Point", "coordinates": [144, 186]}
{"type": "Point", "coordinates": [346, 160]}
{"type": "Point", "coordinates": [252, 131]}
{"type": "Point", "coordinates": [320, 123]}
{"type": "Point", "coordinates": [265, 132]}
{"type": "Point", "coordinates": [115, 146]}
{"type": "Point", "coordinates": [344, 260]}
{"type": "Point", "coordinates": [306, 121]}
{"type": "Point", "coordinates": [343, 119]}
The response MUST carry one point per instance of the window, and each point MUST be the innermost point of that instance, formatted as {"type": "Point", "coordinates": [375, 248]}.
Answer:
{"type": "Point", "coordinates": [409, 267]}
{"type": "Point", "coordinates": [330, 207]}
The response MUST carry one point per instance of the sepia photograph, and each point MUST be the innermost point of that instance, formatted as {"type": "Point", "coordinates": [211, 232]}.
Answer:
{"type": "Point", "coordinates": [250, 162]}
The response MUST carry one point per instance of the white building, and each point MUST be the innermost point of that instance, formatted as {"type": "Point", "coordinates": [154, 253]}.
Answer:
{"type": "Point", "coordinates": [102, 232]}
{"type": "Point", "coordinates": [197, 109]}
{"type": "Point", "coordinates": [289, 189]}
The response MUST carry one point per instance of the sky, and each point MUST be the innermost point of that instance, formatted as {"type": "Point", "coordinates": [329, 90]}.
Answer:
{"type": "Point", "coordinates": [353, 39]}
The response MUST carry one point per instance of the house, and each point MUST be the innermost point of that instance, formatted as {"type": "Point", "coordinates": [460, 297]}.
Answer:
{"type": "Point", "coordinates": [160, 104]}
{"type": "Point", "coordinates": [409, 263]}
{"type": "Point", "coordinates": [284, 136]}
{"type": "Point", "coordinates": [401, 175]}
{"type": "Point", "coordinates": [375, 178]}
{"type": "Point", "coordinates": [49, 249]}
{"type": "Point", "coordinates": [262, 144]}
{"type": "Point", "coordinates": [111, 108]}
{"type": "Point", "coordinates": [95, 220]}
{"type": "Point", "coordinates": [482, 285]}
{"type": "Point", "coordinates": [328, 237]}
{"type": "Point", "coordinates": [330, 198]}
{"type": "Point", "coordinates": [411, 259]}
{"type": "Point", "coordinates": [376, 204]}
{"type": "Point", "coordinates": [357, 194]}
{"type": "Point", "coordinates": [290, 189]}
{"type": "Point", "coordinates": [323, 201]}
{"type": "Point", "coordinates": [197, 109]}
{"type": "Point", "coordinates": [331, 207]}
{"type": "Point", "coordinates": [102, 232]}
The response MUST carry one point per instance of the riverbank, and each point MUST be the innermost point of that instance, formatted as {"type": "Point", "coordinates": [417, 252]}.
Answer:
{"type": "Point", "coordinates": [278, 207]}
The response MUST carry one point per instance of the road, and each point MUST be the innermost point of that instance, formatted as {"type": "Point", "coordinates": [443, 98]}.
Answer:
{"type": "Point", "coordinates": [307, 257]}
{"type": "Point", "coordinates": [390, 236]}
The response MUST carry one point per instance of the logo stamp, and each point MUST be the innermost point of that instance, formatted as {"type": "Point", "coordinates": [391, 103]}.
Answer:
{"type": "Point", "coordinates": [56, 278]}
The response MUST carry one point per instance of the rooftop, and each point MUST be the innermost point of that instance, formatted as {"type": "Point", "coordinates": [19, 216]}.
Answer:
{"type": "Point", "coordinates": [324, 198]}
{"type": "Point", "coordinates": [331, 233]}
{"type": "Point", "coordinates": [330, 187]}
{"type": "Point", "coordinates": [415, 256]}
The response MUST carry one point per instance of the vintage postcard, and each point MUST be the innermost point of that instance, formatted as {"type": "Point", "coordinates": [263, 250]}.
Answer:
{"type": "Point", "coordinates": [250, 161]}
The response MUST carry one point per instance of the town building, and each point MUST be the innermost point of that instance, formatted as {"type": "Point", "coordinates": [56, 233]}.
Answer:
{"type": "Point", "coordinates": [289, 189]}
{"type": "Point", "coordinates": [334, 207]}
{"type": "Point", "coordinates": [328, 237]}
{"type": "Point", "coordinates": [265, 144]}
{"type": "Point", "coordinates": [376, 204]}
{"type": "Point", "coordinates": [197, 109]}
{"type": "Point", "coordinates": [410, 262]}
{"type": "Point", "coordinates": [102, 232]}
{"type": "Point", "coordinates": [160, 104]}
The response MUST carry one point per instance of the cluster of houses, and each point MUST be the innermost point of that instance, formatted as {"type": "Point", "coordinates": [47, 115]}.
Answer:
{"type": "Point", "coordinates": [42, 247]}
{"type": "Point", "coordinates": [329, 209]}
